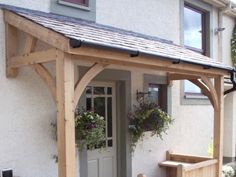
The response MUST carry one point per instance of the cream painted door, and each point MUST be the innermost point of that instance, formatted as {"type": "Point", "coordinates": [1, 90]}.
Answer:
{"type": "Point", "coordinates": [101, 97]}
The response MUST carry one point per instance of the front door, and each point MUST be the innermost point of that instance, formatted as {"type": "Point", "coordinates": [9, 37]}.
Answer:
{"type": "Point", "coordinates": [100, 97]}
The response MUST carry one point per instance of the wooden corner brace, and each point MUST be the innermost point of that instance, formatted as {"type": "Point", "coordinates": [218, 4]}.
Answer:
{"type": "Point", "coordinates": [86, 79]}
{"type": "Point", "coordinates": [207, 89]}
{"type": "Point", "coordinates": [43, 73]}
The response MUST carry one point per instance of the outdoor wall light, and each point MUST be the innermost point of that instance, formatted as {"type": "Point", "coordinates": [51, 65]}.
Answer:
{"type": "Point", "coordinates": [140, 95]}
{"type": "Point", "coordinates": [217, 30]}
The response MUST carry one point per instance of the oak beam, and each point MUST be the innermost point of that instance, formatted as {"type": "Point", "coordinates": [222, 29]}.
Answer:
{"type": "Point", "coordinates": [11, 46]}
{"type": "Point", "coordinates": [34, 58]}
{"type": "Point", "coordinates": [86, 79]}
{"type": "Point", "coordinates": [65, 117]}
{"type": "Point", "coordinates": [218, 124]}
{"type": "Point", "coordinates": [156, 63]}
{"type": "Point", "coordinates": [179, 76]}
{"type": "Point", "coordinates": [38, 31]}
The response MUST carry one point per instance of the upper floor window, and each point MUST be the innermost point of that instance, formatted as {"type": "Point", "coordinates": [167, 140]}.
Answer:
{"type": "Point", "coordinates": [195, 29]}
{"type": "Point", "coordinates": [195, 33]}
{"type": "Point", "coordinates": [75, 2]}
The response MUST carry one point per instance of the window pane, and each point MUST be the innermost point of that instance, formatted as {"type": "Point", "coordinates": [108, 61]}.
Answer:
{"type": "Point", "coordinates": [110, 143]}
{"type": "Point", "coordinates": [190, 87]}
{"type": "Point", "coordinates": [154, 93]}
{"type": "Point", "coordinates": [88, 104]}
{"type": "Point", "coordinates": [109, 90]}
{"type": "Point", "coordinates": [193, 28]}
{"type": "Point", "coordinates": [99, 106]}
{"type": "Point", "coordinates": [99, 90]}
{"type": "Point", "coordinates": [75, 1]}
{"type": "Point", "coordinates": [109, 116]}
{"type": "Point", "coordinates": [88, 90]}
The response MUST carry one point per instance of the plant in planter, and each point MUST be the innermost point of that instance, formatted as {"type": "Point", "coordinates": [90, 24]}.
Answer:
{"type": "Point", "coordinates": [147, 116]}
{"type": "Point", "coordinates": [89, 128]}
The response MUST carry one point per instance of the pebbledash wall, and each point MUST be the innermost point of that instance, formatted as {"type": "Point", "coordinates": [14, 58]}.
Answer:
{"type": "Point", "coordinates": [27, 110]}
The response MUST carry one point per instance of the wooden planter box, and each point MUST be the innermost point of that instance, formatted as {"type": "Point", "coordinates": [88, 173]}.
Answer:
{"type": "Point", "coordinates": [178, 165]}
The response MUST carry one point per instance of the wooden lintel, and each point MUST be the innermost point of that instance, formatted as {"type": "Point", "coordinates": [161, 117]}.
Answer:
{"type": "Point", "coordinates": [11, 46]}
{"type": "Point", "coordinates": [33, 58]}
{"type": "Point", "coordinates": [84, 81]}
{"type": "Point", "coordinates": [204, 88]}
{"type": "Point", "coordinates": [46, 35]}
{"type": "Point", "coordinates": [155, 63]}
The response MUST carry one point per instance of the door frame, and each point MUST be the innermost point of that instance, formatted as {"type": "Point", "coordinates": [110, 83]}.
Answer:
{"type": "Point", "coordinates": [122, 80]}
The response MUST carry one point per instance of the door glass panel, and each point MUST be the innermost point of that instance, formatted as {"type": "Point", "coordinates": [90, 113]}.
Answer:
{"type": "Point", "coordinates": [109, 90]}
{"type": "Point", "coordinates": [109, 143]}
{"type": "Point", "coordinates": [99, 106]}
{"type": "Point", "coordinates": [88, 104]}
{"type": "Point", "coordinates": [99, 90]}
{"type": "Point", "coordinates": [100, 100]}
{"type": "Point", "coordinates": [88, 90]}
{"type": "Point", "coordinates": [109, 116]}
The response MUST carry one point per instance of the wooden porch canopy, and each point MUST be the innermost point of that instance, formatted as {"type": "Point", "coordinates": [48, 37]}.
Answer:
{"type": "Point", "coordinates": [71, 40]}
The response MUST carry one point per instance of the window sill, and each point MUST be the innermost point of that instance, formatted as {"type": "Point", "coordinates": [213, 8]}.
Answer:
{"type": "Point", "coordinates": [82, 7]}
{"type": "Point", "coordinates": [194, 99]}
{"type": "Point", "coordinates": [195, 96]}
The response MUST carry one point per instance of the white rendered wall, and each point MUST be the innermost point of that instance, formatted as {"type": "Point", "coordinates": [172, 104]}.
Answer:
{"type": "Point", "coordinates": [26, 113]}
{"type": "Point", "coordinates": [159, 18]}
{"type": "Point", "coordinates": [230, 125]}
{"type": "Point", "coordinates": [230, 99]}
{"type": "Point", "coordinates": [41, 5]}
{"type": "Point", "coordinates": [193, 127]}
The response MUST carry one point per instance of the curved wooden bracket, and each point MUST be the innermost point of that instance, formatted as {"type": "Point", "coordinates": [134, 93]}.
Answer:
{"type": "Point", "coordinates": [86, 79]}
{"type": "Point", "coordinates": [203, 87]}
{"type": "Point", "coordinates": [208, 89]}
{"type": "Point", "coordinates": [212, 90]}
{"type": "Point", "coordinates": [47, 78]}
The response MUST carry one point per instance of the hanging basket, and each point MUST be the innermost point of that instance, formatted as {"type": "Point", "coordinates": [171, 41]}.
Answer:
{"type": "Point", "coordinates": [147, 116]}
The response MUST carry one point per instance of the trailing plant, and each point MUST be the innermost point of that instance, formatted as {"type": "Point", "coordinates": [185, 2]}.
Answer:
{"type": "Point", "coordinates": [89, 127]}
{"type": "Point", "coordinates": [147, 116]}
{"type": "Point", "coordinates": [89, 130]}
{"type": "Point", "coordinates": [228, 171]}
{"type": "Point", "coordinates": [233, 47]}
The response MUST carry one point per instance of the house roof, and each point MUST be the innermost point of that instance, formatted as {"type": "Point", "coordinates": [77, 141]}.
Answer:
{"type": "Point", "coordinates": [90, 33]}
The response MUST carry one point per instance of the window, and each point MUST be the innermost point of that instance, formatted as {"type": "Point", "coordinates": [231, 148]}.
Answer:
{"type": "Point", "coordinates": [194, 29]}
{"type": "Point", "coordinates": [156, 94]}
{"type": "Point", "coordinates": [75, 2]}
{"type": "Point", "coordinates": [194, 39]}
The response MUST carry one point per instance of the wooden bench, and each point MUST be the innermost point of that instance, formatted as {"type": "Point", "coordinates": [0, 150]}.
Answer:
{"type": "Point", "coordinates": [178, 165]}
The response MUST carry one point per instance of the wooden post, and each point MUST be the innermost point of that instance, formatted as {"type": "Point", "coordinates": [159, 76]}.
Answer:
{"type": "Point", "coordinates": [218, 124]}
{"type": "Point", "coordinates": [65, 117]}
